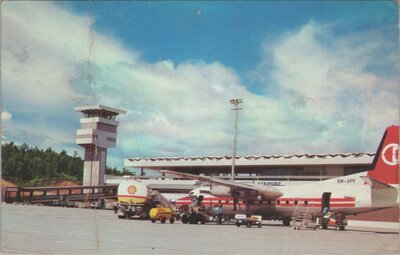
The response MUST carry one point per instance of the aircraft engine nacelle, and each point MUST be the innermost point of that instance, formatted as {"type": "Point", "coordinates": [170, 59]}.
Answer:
{"type": "Point", "coordinates": [219, 191]}
{"type": "Point", "coordinates": [263, 196]}
{"type": "Point", "coordinates": [134, 192]}
{"type": "Point", "coordinates": [268, 194]}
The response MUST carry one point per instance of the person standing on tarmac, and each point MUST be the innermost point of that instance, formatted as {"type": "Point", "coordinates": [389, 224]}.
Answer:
{"type": "Point", "coordinates": [220, 212]}
{"type": "Point", "coordinates": [115, 207]}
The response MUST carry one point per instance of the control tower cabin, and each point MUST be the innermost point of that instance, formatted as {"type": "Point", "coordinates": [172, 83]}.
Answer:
{"type": "Point", "coordinates": [98, 132]}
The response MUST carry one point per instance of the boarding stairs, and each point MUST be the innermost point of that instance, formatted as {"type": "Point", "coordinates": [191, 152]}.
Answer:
{"type": "Point", "coordinates": [159, 199]}
{"type": "Point", "coordinates": [303, 218]}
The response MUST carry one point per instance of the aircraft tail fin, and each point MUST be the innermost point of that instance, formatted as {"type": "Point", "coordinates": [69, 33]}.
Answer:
{"type": "Point", "coordinates": [385, 167]}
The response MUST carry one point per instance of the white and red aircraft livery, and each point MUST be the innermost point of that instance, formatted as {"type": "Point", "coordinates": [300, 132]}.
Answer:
{"type": "Point", "coordinates": [367, 191]}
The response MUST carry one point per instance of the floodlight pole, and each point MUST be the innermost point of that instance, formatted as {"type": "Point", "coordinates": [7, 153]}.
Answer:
{"type": "Point", "coordinates": [236, 103]}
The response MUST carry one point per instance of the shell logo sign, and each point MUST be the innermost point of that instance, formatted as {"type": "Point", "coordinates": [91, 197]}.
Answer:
{"type": "Point", "coordinates": [132, 189]}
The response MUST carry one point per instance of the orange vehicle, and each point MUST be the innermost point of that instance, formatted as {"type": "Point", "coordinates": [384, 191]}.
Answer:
{"type": "Point", "coordinates": [162, 214]}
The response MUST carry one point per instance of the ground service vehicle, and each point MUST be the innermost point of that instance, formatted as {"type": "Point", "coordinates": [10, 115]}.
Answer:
{"type": "Point", "coordinates": [194, 216]}
{"type": "Point", "coordinates": [162, 214]}
{"type": "Point", "coordinates": [195, 212]}
{"type": "Point", "coordinates": [135, 198]}
{"type": "Point", "coordinates": [241, 219]}
{"type": "Point", "coordinates": [335, 220]}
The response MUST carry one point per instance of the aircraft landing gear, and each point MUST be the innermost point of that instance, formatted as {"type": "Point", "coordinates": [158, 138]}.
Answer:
{"type": "Point", "coordinates": [286, 222]}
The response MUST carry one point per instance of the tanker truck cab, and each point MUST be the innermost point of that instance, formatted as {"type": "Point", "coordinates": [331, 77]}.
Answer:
{"type": "Point", "coordinates": [134, 198]}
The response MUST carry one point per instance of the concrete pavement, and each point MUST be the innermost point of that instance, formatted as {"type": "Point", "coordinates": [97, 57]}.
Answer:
{"type": "Point", "coordinates": [53, 230]}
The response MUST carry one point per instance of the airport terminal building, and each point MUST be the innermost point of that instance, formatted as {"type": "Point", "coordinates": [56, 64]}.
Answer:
{"type": "Point", "coordinates": [274, 170]}
{"type": "Point", "coordinates": [289, 168]}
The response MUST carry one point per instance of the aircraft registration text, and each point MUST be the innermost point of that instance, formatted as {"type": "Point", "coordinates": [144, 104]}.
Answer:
{"type": "Point", "coordinates": [351, 180]}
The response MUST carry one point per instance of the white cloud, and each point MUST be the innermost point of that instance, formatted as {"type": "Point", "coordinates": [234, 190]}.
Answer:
{"type": "Point", "coordinates": [335, 101]}
{"type": "Point", "coordinates": [6, 116]}
{"type": "Point", "coordinates": [44, 72]}
{"type": "Point", "coordinates": [319, 95]}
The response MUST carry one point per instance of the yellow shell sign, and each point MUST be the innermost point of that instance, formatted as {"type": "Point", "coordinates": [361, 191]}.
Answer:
{"type": "Point", "coordinates": [132, 189]}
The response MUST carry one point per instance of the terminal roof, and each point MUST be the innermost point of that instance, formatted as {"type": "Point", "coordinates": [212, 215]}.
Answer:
{"type": "Point", "coordinates": [252, 160]}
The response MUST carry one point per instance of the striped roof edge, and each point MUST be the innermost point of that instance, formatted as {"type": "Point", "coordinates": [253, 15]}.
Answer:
{"type": "Point", "coordinates": [257, 157]}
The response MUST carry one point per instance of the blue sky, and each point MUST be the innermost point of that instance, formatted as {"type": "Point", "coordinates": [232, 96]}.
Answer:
{"type": "Point", "coordinates": [315, 77]}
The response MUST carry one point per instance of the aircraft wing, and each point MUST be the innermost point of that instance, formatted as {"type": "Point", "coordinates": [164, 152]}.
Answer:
{"type": "Point", "coordinates": [266, 191]}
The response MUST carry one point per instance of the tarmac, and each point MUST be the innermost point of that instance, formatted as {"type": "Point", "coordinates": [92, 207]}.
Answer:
{"type": "Point", "coordinates": [54, 230]}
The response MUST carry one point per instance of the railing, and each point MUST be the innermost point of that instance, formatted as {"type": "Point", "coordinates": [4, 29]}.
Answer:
{"type": "Point", "coordinates": [49, 194]}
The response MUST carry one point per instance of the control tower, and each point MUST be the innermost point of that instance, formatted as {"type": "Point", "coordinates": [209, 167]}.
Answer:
{"type": "Point", "coordinates": [98, 132]}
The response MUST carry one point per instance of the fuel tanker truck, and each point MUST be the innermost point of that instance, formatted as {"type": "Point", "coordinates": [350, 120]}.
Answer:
{"type": "Point", "coordinates": [135, 198]}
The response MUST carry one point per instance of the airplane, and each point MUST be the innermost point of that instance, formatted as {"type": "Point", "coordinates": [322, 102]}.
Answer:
{"type": "Point", "coordinates": [367, 191]}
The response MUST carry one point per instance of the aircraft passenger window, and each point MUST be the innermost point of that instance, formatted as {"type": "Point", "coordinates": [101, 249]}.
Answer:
{"type": "Point", "coordinates": [306, 202]}
{"type": "Point", "coordinates": [287, 202]}
{"type": "Point", "coordinates": [296, 202]}
{"type": "Point", "coordinates": [278, 202]}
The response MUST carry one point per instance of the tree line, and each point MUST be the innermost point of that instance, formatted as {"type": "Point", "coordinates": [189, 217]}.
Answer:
{"type": "Point", "coordinates": [30, 166]}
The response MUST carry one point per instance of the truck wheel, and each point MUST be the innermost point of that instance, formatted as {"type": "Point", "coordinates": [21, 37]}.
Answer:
{"type": "Point", "coordinates": [259, 225]}
{"type": "Point", "coordinates": [237, 224]}
{"type": "Point", "coordinates": [121, 216]}
{"type": "Point", "coordinates": [203, 221]}
{"type": "Point", "coordinates": [248, 224]}
{"type": "Point", "coordinates": [193, 219]}
{"type": "Point", "coordinates": [153, 220]}
{"type": "Point", "coordinates": [172, 220]}
{"type": "Point", "coordinates": [184, 219]}
{"type": "Point", "coordinates": [163, 220]}
{"type": "Point", "coordinates": [324, 226]}
{"type": "Point", "coordinates": [341, 228]}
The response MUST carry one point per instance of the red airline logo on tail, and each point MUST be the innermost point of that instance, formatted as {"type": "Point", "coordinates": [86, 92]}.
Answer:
{"type": "Point", "coordinates": [385, 167]}
{"type": "Point", "coordinates": [390, 154]}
